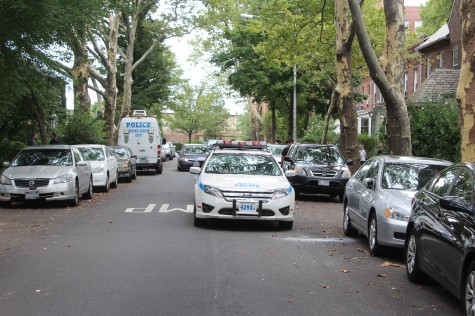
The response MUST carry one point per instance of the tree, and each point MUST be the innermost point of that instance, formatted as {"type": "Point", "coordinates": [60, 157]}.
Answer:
{"type": "Point", "coordinates": [466, 86]}
{"type": "Point", "coordinates": [388, 72]}
{"type": "Point", "coordinates": [433, 15]}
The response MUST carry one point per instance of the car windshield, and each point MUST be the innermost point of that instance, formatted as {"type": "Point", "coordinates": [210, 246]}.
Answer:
{"type": "Point", "coordinates": [319, 155]}
{"type": "Point", "coordinates": [408, 176]}
{"type": "Point", "coordinates": [190, 150]}
{"type": "Point", "coordinates": [92, 153]}
{"type": "Point", "coordinates": [276, 150]}
{"type": "Point", "coordinates": [242, 163]}
{"type": "Point", "coordinates": [43, 157]}
{"type": "Point", "coordinates": [121, 153]}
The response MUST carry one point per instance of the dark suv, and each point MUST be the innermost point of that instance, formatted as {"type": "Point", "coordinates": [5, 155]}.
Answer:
{"type": "Point", "coordinates": [319, 169]}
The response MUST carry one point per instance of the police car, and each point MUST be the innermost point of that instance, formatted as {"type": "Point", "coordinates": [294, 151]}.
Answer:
{"type": "Point", "coordinates": [242, 180]}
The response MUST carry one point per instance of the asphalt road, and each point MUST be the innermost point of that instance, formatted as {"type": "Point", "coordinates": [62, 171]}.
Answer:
{"type": "Point", "coordinates": [135, 251]}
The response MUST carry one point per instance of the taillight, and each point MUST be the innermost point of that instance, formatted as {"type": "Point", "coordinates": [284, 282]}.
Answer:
{"type": "Point", "coordinates": [159, 151]}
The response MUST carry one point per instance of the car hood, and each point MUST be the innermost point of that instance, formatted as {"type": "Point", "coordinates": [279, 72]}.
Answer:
{"type": "Point", "coordinates": [316, 165]}
{"type": "Point", "coordinates": [245, 182]}
{"type": "Point", "coordinates": [194, 157]}
{"type": "Point", "coordinates": [400, 198]}
{"type": "Point", "coordinates": [33, 172]}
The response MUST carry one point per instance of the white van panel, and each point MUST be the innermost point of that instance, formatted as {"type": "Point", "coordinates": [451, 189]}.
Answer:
{"type": "Point", "coordinates": [142, 136]}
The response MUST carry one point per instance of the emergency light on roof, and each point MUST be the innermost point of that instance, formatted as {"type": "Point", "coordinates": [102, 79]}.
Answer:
{"type": "Point", "coordinates": [139, 113]}
{"type": "Point", "coordinates": [238, 144]}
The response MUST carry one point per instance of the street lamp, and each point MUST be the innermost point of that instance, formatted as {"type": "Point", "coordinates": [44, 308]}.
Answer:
{"type": "Point", "coordinates": [294, 94]}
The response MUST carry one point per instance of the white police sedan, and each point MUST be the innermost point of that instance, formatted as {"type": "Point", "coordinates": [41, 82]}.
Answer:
{"type": "Point", "coordinates": [242, 180]}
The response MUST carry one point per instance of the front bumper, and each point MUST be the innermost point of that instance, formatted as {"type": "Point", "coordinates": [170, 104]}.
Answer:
{"type": "Point", "coordinates": [391, 232]}
{"type": "Point", "coordinates": [211, 207]}
{"type": "Point", "coordinates": [51, 192]}
{"type": "Point", "coordinates": [319, 185]}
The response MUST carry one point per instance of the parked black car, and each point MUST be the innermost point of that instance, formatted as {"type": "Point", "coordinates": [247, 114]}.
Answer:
{"type": "Point", "coordinates": [319, 169]}
{"type": "Point", "coordinates": [126, 162]}
{"type": "Point", "coordinates": [440, 238]}
{"type": "Point", "coordinates": [191, 154]}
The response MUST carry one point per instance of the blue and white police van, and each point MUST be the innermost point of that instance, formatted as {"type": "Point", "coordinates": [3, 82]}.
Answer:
{"type": "Point", "coordinates": [141, 133]}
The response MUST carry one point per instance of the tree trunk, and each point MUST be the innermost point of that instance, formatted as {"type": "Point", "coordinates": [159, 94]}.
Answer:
{"type": "Point", "coordinates": [80, 75]}
{"type": "Point", "coordinates": [343, 93]}
{"type": "Point", "coordinates": [466, 86]}
{"type": "Point", "coordinates": [388, 80]}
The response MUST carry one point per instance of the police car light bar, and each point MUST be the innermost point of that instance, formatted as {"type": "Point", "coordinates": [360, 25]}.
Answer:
{"type": "Point", "coordinates": [239, 144]}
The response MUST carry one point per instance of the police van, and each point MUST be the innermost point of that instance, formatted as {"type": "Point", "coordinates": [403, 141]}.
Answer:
{"type": "Point", "coordinates": [141, 133]}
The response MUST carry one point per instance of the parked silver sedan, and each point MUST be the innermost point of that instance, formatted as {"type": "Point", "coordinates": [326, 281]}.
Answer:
{"type": "Point", "coordinates": [50, 172]}
{"type": "Point", "coordinates": [105, 172]}
{"type": "Point", "coordinates": [377, 200]}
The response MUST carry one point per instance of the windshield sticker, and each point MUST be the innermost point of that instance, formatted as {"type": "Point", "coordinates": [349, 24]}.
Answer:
{"type": "Point", "coordinates": [247, 185]}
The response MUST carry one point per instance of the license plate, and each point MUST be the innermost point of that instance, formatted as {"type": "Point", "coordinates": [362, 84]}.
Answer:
{"type": "Point", "coordinates": [324, 183]}
{"type": "Point", "coordinates": [247, 207]}
{"type": "Point", "coordinates": [32, 195]}
{"type": "Point", "coordinates": [144, 159]}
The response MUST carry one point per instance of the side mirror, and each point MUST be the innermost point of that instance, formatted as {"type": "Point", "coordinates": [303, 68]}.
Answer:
{"type": "Point", "coordinates": [195, 170]}
{"type": "Point", "coordinates": [6, 164]}
{"type": "Point", "coordinates": [454, 203]}
{"type": "Point", "coordinates": [290, 173]}
{"type": "Point", "coordinates": [369, 183]}
{"type": "Point", "coordinates": [81, 163]}
{"type": "Point", "coordinates": [164, 141]}
{"type": "Point", "coordinates": [349, 162]}
{"type": "Point", "coordinates": [133, 156]}
{"type": "Point", "coordinates": [288, 158]}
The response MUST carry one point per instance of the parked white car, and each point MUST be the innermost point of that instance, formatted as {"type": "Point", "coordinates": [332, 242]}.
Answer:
{"type": "Point", "coordinates": [103, 163]}
{"type": "Point", "coordinates": [49, 173]}
{"type": "Point", "coordinates": [243, 183]}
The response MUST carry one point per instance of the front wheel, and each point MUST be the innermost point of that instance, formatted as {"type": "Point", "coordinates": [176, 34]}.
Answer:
{"type": "Point", "coordinates": [75, 200]}
{"type": "Point", "coordinates": [374, 246]}
{"type": "Point", "coordinates": [414, 274]}
{"type": "Point", "coordinates": [114, 184]}
{"type": "Point", "coordinates": [88, 194]}
{"type": "Point", "coordinates": [105, 188]}
{"type": "Point", "coordinates": [348, 229]}
{"type": "Point", "coordinates": [469, 301]}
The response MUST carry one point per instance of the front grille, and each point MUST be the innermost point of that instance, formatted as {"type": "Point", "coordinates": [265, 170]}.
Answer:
{"type": "Point", "coordinates": [229, 211]}
{"type": "Point", "coordinates": [31, 183]}
{"type": "Point", "coordinates": [247, 196]}
{"type": "Point", "coordinates": [324, 173]}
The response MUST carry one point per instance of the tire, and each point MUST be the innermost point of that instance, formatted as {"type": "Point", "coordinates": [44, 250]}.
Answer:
{"type": "Point", "coordinates": [105, 188]}
{"type": "Point", "coordinates": [414, 274]}
{"type": "Point", "coordinates": [114, 184]}
{"type": "Point", "coordinates": [348, 230]}
{"type": "Point", "coordinates": [134, 174]}
{"type": "Point", "coordinates": [198, 222]}
{"type": "Point", "coordinates": [297, 195]}
{"type": "Point", "coordinates": [89, 193]}
{"type": "Point", "coordinates": [129, 177]}
{"type": "Point", "coordinates": [469, 297]}
{"type": "Point", "coordinates": [160, 169]}
{"type": "Point", "coordinates": [374, 247]}
{"type": "Point", "coordinates": [6, 204]}
{"type": "Point", "coordinates": [75, 200]}
{"type": "Point", "coordinates": [341, 197]}
{"type": "Point", "coordinates": [286, 225]}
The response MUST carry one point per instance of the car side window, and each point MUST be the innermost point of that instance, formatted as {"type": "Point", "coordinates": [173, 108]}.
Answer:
{"type": "Point", "coordinates": [373, 170]}
{"type": "Point", "coordinates": [443, 182]}
{"type": "Point", "coordinates": [463, 187]}
{"type": "Point", "coordinates": [361, 173]}
{"type": "Point", "coordinates": [77, 155]}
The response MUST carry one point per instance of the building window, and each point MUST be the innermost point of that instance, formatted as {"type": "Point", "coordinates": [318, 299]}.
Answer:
{"type": "Point", "coordinates": [416, 79]}
{"type": "Point", "coordinates": [405, 84]}
{"type": "Point", "coordinates": [417, 24]}
{"type": "Point", "coordinates": [375, 91]}
{"type": "Point", "coordinates": [406, 25]}
{"type": "Point", "coordinates": [441, 59]}
{"type": "Point", "coordinates": [368, 93]}
{"type": "Point", "coordinates": [455, 56]}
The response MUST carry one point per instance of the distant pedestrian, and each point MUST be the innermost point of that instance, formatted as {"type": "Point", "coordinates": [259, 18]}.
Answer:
{"type": "Point", "coordinates": [362, 155]}
{"type": "Point", "coordinates": [53, 140]}
{"type": "Point", "coordinates": [33, 139]}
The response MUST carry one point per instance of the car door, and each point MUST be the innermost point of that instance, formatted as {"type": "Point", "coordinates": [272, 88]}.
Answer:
{"type": "Point", "coordinates": [452, 233]}
{"type": "Point", "coordinates": [353, 189]}
{"type": "Point", "coordinates": [111, 164]}
{"type": "Point", "coordinates": [366, 195]}
{"type": "Point", "coordinates": [83, 172]}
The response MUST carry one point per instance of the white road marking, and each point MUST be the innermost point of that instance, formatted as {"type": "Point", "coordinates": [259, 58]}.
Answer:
{"type": "Point", "coordinates": [164, 209]}
{"type": "Point", "coordinates": [317, 240]}
{"type": "Point", "coordinates": [148, 209]}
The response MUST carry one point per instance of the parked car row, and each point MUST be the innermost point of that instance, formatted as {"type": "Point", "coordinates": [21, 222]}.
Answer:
{"type": "Point", "coordinates": [64, 172]}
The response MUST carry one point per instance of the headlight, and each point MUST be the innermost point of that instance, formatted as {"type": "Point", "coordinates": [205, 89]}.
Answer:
{"type": "Point", "coordinates": [124, 165]}
{"type": "Point", "coordinates": [281, 193]}
{"type": "Point", "coordinates": [397, 213]}
{"type": "Point", "coordinates": [98, 169]}
{"type": "Point", "coordinates": [346, 173]}
{"type": "Point", "coordinates": [62, 179]}
{"type": "Point", "coordinates": [300, 170]}
{"type": "Point", "coordinates": [5, 180]}
{"type": "Point", "coordinates": [213, 191]}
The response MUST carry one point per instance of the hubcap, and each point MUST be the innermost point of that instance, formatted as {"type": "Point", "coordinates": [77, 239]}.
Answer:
{"type": "Point", "coordinates": [372, 233]}
{"type": "Point", "coordinates": [411, 254]}
{"type": "Point", "coordinates": [469, 294]}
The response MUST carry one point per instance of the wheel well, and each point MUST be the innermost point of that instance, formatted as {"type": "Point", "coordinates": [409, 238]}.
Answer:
{"type": "Point", "coordinates": [468, 260]}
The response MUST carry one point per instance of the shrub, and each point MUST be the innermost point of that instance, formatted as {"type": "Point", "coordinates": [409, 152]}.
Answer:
{"type": "Point", "coordinates": [82, 128]}
{"type": "Point", "coordinates": [370, 144]}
